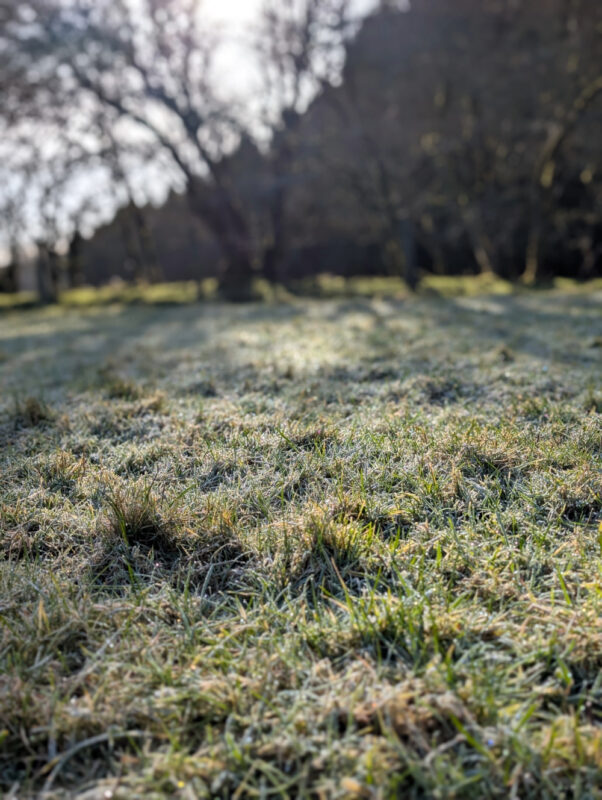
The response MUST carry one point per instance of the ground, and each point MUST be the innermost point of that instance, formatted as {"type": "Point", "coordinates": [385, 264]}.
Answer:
{"type": "Point", "coordinates": [322, 548]}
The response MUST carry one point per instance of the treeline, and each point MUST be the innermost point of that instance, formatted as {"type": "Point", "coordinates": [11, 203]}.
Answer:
{"type": "Point", "coordinates": [459, 136]}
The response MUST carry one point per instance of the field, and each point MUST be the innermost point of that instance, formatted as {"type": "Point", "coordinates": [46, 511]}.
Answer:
{"type": "Point", "coordinates": [336, 548]}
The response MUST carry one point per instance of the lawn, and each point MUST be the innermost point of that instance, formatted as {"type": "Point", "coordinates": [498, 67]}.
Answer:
{"type": "Point", "coordinates": [344, 548]}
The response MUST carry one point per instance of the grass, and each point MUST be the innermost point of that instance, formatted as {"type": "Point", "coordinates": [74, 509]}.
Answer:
{"type": "Point", "coordinates": [327, 548]}
{"type": "Point", "coordinates": [323, 286]}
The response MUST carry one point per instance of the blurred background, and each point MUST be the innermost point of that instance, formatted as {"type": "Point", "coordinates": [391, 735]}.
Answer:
{"type": "Point", "coordinates": [146, 141]}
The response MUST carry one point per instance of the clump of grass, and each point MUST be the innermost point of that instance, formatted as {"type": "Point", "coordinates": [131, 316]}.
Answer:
{"type": "Point", "coordinates": [339, 544]}
{"type": "Point", "coordinates": [203, 388]}
{"type": "Point", "coordinates": [155, 403]}
{"type": "Point", "coordinates": [62, 471]}
{"type": "Point", "coordinates": [136, 537]}
{"type": "Point", "coordinates": [313, 439]}
{"type": "Point", "coordinates": [439, 390]}
{"type": "Point", "coordinates": [118, 388]}
{"type": "Point", "coordinates": [31, 412]}
{"type": "Point", "coordinates": [135, 517]}
{"type": "Point", "coordinates": [137, 534]}
{"type": "Point", "coordinates": [325, 555]}
{"type": "Point", "coordinates": [418, 717]}
{"type": "Point", "coordinates": [16, 540]}
{"type": "Point", "coordinates": [141, 534]}
{"type": "Point", "coordinates": [496, 462]}
{"type": "Point", "coordinates": [593, 402]}
{"type": "Point", "coordinates": [532, 407]}
{"type": "Point", "coordinates": [504, 354]}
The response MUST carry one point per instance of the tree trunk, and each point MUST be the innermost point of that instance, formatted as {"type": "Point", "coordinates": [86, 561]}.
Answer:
{"type": "Point", "coordinates": [236, 282]}
{"type": "Point", "coordinates": [75, 270]}
{"type": "Point", "coordinates": [408, 246]}
{"type": "Point", "coordinates": [215, 210]}
{"type": "Point", "coordinates": [531, 276]}
{"type": "Point", "coordinates": [480, 246]}
{"type": "Point", "coordinates": [10, 282]}
{"type": "Point", "coordinates": [543, 178]}
{"type": "Point", "coordinates": [146, 246]}
{"type": "Point", "coordinates": [47, 275]}
{"type": "Point", "coordinates": [133, 268]}
{"type": "Point", "coordinates": [591, 257]}
{"type": "Point", "coordinates": [275, 256]}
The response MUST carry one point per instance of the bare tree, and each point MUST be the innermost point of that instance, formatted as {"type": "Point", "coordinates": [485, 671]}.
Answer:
{"type": "Point", "coordinates": [12, 226]}
{"type": "Point", "coordinates": [150, 63]}
{"type": "Point", "coordinates": [301, 50]}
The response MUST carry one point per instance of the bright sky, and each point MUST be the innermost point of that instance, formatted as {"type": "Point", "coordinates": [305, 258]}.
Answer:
{"type": "Point", "coordinates": [232, 10]}
{"type": "Point", "coordinates": [241, 11]}
{"type": "Point", "coordinates": [237, 17]}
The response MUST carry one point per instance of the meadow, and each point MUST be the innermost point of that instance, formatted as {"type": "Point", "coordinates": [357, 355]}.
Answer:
{"type": "Point", "coordinates": [325, 548]}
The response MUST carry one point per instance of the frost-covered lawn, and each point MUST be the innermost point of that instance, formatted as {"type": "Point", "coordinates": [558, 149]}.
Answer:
{"type": "Point", "coordinates": [347, 548]}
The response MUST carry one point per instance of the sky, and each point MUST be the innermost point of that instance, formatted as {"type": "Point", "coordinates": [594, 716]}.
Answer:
{"type": "Point", "coordinates": [239, 11]}
{"type": "Point", "coordinates": [237, 18]}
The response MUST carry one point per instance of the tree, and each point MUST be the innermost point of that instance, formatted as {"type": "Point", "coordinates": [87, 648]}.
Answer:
{"type": "Point", "coordinates": [150, 64]}
{"type": "Point", "coordinates": [11, 204]}
{"type": "Point", "coordinates": [301, 49]}
{"type": "Point", "coordinates": [43, 155]}
{"type": "Point", "coordinates": [137, 237]}
{"type": "Point", "coordinates": [446, 114]}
